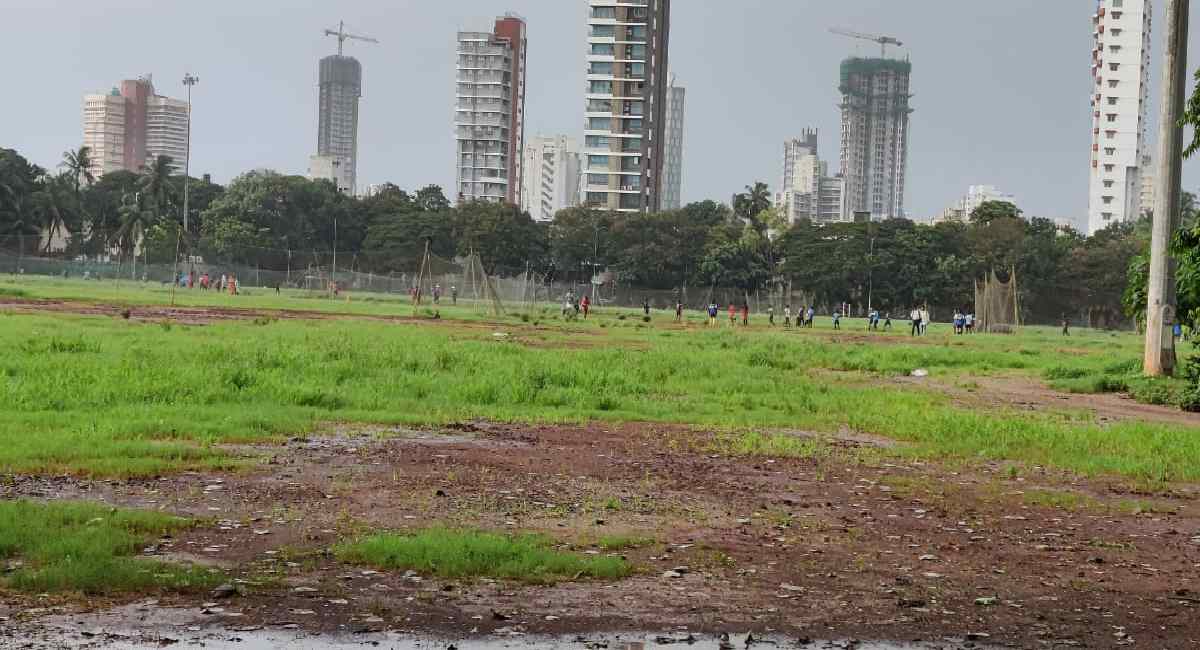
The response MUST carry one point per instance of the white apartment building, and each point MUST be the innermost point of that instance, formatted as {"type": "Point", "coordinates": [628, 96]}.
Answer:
{"type": "Point", "coordinates": [1120, 99]}
{"type": "Point", "coordinates": [167, 130]}
{"type": "Point", "coordinates": [673, 151]}
{"type": "Point", "coordinates": [490, 112]}
{"type": "Point", "coordinates": [104, 131]}
{"type": "Point", "coordinates": [976, 196]}
{"type": "Point", "coordinates": [338, 169]}
{"type": "Point", "coordinates": [551, 171]}
{"type": "Point", "coordinates": [625, 103]}
{"type": "Point", "coordinates": [806, 190]}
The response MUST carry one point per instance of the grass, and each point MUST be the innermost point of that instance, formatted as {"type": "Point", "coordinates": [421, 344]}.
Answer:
{"type": "Point", "coordinates": [456, 554]}
{"type": "Point", "coordinates": [109, 397]}
{"type": "Point", "coordinates": [84, 547]}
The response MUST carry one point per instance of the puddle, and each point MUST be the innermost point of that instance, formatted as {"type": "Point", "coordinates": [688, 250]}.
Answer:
{"type": "Point", "coordinates": [141, 627]}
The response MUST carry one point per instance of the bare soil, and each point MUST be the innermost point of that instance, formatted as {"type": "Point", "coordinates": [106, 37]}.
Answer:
{"type": "Point", "coordinates": [843, 546]}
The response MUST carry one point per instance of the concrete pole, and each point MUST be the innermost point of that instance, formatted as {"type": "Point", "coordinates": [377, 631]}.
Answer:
{"type": "Point", "coordinates": [1160, 308]}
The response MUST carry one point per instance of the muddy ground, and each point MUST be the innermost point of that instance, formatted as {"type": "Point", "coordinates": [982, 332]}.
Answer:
{"type": "Point", "coordinates": [855, 544]}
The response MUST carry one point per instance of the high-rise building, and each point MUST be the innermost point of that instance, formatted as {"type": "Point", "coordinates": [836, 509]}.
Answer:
{"type": "Point", "coordinates": [550, 176]}
{"type": "Point", "coordinates": [489, 115]}
{"type": "Point", "coordinates": [1120, 98]}
{"type": "Point", "coordinates": [874, 146]}
{"type": "Point", "coordinates": [673, 150]}
{"type": "Point", "coordinates": [167, 130]}
{"type": "Point", "coordinates": [104, 131]}
{"type": "Point", "coordinates": [340, 87]}
{"type": "Point", "coordinates": [625, 104]}
{"type": "Point", "coordinates": [806, 190]}
{"type": "Point", "coordinates": [129, 128]}
{"type": "Point", "coordinates": [331, 168]}
{"type": "Point", "coordinates": [1149, 175]}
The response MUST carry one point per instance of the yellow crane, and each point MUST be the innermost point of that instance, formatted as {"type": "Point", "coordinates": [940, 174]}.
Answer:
{"type": "Point", "coordinates": [883, 41]}
{"type": "Point", "coordinates": [342, 36]}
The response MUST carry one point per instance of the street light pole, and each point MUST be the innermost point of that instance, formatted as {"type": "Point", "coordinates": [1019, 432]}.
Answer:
{"type": "Point", "coordinates": [188, 80]}
{"type": "Point", "coordinates": [1159, 358]}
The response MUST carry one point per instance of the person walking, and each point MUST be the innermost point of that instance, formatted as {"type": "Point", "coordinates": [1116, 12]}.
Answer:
{"type": "Point", "coordinates": [732, 314]}
{"type": "Point", "coordinates": [646, 306]}
{"type": "Point", "coordinates": [915, 316]}
{"type": "Point", "coordinates": [585, 304]}
{"type": "Point", "coordinates": [1066, 325]}
{"type": "Point", "coordinates": [745, 314]}
{"type": "Point", "coordinates": [712, 314]}
{"type": "Point", "coordinates": [887, 322]}
{"type": "Point", "coordinates": [678, 311]}
{"type": "Point", "coordinates": [771, 315]}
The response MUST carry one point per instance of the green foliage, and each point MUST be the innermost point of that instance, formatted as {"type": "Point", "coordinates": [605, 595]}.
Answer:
{"type": "Point", "coordinates": [471, 554]}
{"type": "Point", "coordinates": [75, 546]}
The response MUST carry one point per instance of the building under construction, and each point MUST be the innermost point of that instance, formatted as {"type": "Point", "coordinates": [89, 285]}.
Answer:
{"type": "Point", "coordinates": [874, 147]}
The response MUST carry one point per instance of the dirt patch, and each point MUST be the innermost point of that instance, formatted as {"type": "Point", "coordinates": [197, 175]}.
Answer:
{"type": "Point", "coordinates": [1023, 393]}
{"type": "Point", "coordinates": [828, 547]}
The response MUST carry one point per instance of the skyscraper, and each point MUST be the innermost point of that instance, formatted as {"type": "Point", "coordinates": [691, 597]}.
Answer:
{"type": "Point", "coordinates": [128, 128]}
{"type": "Point", "coordinates": [489, 115]}
{"type": "Point", "coordinates": [673, 150]}
{"type": "Point", "coordinates": [337, 122]}
{"type": "Point", "coordinates": [874, 147]}
{"type": "Point", "coordinates": [625, 106]}
{"type": "Point", "coordinates": [1120, 98]}
{"type": "Point", "coordinates": [550, 176]}
{"type": "Point", "coordinates": [807, 191]}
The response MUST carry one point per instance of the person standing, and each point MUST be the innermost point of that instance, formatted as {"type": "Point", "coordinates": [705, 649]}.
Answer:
{"type": "Point", "coordinates": [808, 322]}
{"type": "Point", "coordinates": [924, 321]}
{"type": "Point", "coordinates": [771, 315]}
{"type": "Point", "coordinates": [745, 314]}
{"type": "Point", "coordinates": [915, 316]}
{"type": "Point", "coordinates": [837, 320]}
{"type": "Point", "coordinates": [787, 317]}
{"type": "Point", "coordinates": [453, 295]}
{"type": "Point", "coordinates": [585, 304]}
{"type": "Point", "coordinates": [678, 311]}
{"type": "Point", "coordinates": [712, 314]}
{"type": "Point", "coordinates": [1066, 325]}
{"type": "Point", "coordinates": [887, 322]}
{"type": "Point", "coordinates": [732, 314]}
{"type": "Point", "coordinates": [646, 306]}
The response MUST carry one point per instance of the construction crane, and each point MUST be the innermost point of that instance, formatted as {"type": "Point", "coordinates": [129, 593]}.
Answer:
{"type": "Point", "coordinates": [342, 36]}
{"type": "Point", "coordinates": [883, 41]}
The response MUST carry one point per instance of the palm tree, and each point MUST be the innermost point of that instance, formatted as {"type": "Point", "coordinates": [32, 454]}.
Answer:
{"type": "Point", "coordinates": [79, 164]}
{"type": "Point", "coordinates": [136, 217]}
{"type": "Point", "coordinates": [156, 184]}
{"type": "Point", "coordinates": [54, 204]}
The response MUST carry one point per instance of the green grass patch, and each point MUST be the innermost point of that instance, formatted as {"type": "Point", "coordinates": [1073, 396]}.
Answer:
{"type": "Point", "coordinates": [471, 554]}
{"type": "Point", "coordinates": [86, 547]}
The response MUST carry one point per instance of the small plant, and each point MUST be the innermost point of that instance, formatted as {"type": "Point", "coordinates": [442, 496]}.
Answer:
{"type": "Point", "coordinates": [645, 319]}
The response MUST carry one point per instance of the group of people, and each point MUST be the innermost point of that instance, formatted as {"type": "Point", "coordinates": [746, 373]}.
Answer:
{"type": "Point", "coordinates": [873, 321]}
{"type": "Point", "coordinates": [713, 310]}
{"type": "Point", "coordinates": [804, 317]}
{"type": "Point", "coordinates": [572, 307]}
{"type": "Point", "coordinates": [964, 323]}
{"type": "Point", "coordinates": [920, 321]}
{"type": "Point", "coordinates": [416, 294]}
{"type": "Point", "coordinates": [227, 282]}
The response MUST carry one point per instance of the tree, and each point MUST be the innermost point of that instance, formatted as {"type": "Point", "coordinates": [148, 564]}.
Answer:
{"type": "Point", "coordinates": [990, 211]}
{"type": "Point", "coordinates": [78, 164]}
{"type": "Point", "coordinates": [506, 238]}
{"type": "Point", "coordinates": [748, 205]}
{"type": "Point", "coordinates": [157, 187]}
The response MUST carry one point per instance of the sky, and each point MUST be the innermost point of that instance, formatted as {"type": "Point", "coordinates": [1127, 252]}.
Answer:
{"type": "Point", "coordinates": [1000, 88]}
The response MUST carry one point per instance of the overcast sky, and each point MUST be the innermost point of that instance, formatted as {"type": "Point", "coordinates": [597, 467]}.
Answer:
{"type": "Point", "coordinates": [1001, 88]}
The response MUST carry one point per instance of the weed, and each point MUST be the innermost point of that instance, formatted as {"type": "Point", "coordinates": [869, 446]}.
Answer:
{"type": "Point", "coordinates": [468, 554]}
{"type": "Point", "coordinates": [76, 546]}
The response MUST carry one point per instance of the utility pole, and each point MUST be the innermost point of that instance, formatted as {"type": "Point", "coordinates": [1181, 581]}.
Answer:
{"type": "Point", "coordinates": [189, 81]}
{"type": "Point", "coordinates": [1160, 309]}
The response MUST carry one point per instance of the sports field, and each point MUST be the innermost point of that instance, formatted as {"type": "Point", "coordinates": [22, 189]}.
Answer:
{"type": "Point", "coordinates": [532, 464]}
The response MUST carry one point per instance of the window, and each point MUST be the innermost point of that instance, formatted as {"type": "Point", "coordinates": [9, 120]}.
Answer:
{"type": "Point", "coordinates": [1112, 101]}
{"type": "Point", "coordinates": [1110, 134]}
{"type": "Point", "coordinates": [1110, 151]}
{"type": "Point", "coordinates": [1114, 66]}
{"type": "Point", "coordinates": [604, 12]}
{"type": "Point", "coordinates": [1109, 168]}
{"type": "Point", "coordinates": [600, 87]}
{"type": "Point", "coordinates": [1116, 32]}
{"type": "Point", "coordinates": [1106, 215]}
{"type": "Point", "coordinates": [1112, 83]}
{"type": "Point", "coordinates": [1116, 15]}
{"type": "Point", "coordinates": [604, 31]}
{"type": "Point", "coordinates": [597, 161]}
{"type": "Point", "coordinates": [601, 67]}
{"type": "Point", "coordinates": [597, 142]}
{"type": "Point", "coordinates": [603, 49]}
{"type": "Point", "coordinates": [597, 179]}
{"type": "Point", "coordinates": [1107, 199]}
{"type": "Point", "coordinates": [1117, 4]}
{"type": "Point", "coordinates": [1112, 117]}
{"type": "Point", "coordinates": [1115, 49]}
{"type": "Point", "coordinates": [1108, 183]}
{"type": "Point", "coordinates": [599, 123]}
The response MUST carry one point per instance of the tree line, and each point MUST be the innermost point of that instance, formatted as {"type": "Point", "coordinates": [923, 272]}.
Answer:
{"type": "Point", "coordinates": [263, 218]}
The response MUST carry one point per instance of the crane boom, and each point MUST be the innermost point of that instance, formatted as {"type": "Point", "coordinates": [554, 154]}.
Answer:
{"type": "Point", "coordinates": [342, 36]}
{"type": "Point", "coordinates": [883, 41]}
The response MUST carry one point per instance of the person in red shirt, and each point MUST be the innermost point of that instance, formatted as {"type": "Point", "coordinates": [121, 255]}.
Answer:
{"type": "Point", "coordinates": [745, 314]}
{"type": "Point", "coordinates": [584, 305]}
{"type": "Point", "coordinates": [732, 315]}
